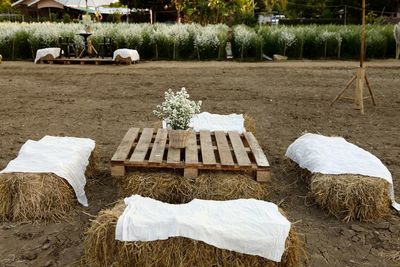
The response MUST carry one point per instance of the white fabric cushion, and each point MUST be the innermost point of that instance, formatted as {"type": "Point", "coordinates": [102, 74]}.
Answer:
{"type": "Point", "coordinates": [216, 122]}
{"type": "Point", "coordinates": [247, 226]}
{"type": "Point", "coordinates": [66, 157]}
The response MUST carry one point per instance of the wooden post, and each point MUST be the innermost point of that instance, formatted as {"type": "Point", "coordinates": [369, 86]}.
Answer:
{"type": "Point", "coordinates": [360, 76]}
{"type": "Point", "coordinates": [362, 36]}
{"type": "Point", "coordinates": [359, 92]}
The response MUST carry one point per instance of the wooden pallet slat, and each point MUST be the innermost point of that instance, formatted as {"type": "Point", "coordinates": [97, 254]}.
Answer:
{"type": "Point", "coordinates": [238, 148]}
{"type": "Point", "coordinates": [258, 153]}
{"type": "Point", "coordinates": [191, 152]}
{"type": "Point", "coordinates": [207, 151]}
{"type": "Point", "coordinates": [126, 144]}
{"type": "Point", "coordinates": [142, 146]}
{"type": "Point", "coordinates": [224, 151]}
{"type": "Point", "coordinates": [174, 156]}
{"type": "Point", "coordinates": [157, 152]}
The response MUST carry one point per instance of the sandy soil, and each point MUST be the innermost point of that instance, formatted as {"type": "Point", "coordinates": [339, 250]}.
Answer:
{"type": "Point", "coordinates": [286, 99]}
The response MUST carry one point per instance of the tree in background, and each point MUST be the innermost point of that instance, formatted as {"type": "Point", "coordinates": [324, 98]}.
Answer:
{"type": "Point", "coordinates": [132, 3]}
{"type": "Point", "coordinates": [5, 6]}
{"type": "Point", "coordinates": [326, 8]}
{"type": "Point", "coordinates": [216, 11]}
{"type": "Point", "coordinates": [277, 5]}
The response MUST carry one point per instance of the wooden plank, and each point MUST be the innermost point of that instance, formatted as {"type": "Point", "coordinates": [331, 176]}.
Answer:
{"type": "Point", "coordinates": [238, 148]}
{"type": "Point", "coordinates": [157, 151]}
{"type": "Point", "coordinates": [258, 153]}
{"type": "Point", "coordinates": [224, 151]}
{"type": "Point", "coordinates": [126, 144]}
{"type": "Point", "coordinates": [191, 152]}
{"type": "Point", "coordinates": [142, 146]}
{"type": "Point", "coordinates": [174, 156]}
{"type": "Point", "coordinates": [207, 151]}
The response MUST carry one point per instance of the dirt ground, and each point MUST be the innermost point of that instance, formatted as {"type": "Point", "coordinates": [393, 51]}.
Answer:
{"type": "Point", "coordinates": [286, 99]}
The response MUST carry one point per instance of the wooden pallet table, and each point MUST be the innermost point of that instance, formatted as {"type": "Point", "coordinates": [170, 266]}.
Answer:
{"type": "Point", "coordinates": [149, 148]}
{"type": "Point", "coordinates": [82, 61]}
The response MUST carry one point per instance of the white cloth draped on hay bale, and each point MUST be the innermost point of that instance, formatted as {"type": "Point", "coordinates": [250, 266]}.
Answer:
{"type": "Point", "coordinates": [47, 53]}
{"type": "Point", "coordinates": [216, 122]}
{"type": "Point", "coordinates": [67, 157]}
{"type": "Point", "coordinates": [126, 54]}
{"type": "Point", "coordinates": [246, 226]}
{"type": "Point", "coordinates": [334, 155]}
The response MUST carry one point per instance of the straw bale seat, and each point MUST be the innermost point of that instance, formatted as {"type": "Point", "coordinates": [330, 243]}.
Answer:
{"type": "Point", "coordinates": [345, 180]}
{"type": "Point", "coordinates": [102, 249]}
{"type": "Point", "coordinates": [30, 196]}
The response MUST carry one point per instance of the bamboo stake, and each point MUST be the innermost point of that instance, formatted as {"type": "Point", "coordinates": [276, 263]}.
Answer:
{"type": "Point", "coordinates": [370, 91]}
{"type": "Point", "coordinates": [362, 36]}
{"type": "Point", "coordinates": [342, 92]}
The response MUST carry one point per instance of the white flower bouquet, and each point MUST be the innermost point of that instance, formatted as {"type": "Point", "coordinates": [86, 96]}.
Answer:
{"type": "Point", "coordinates": [177, 109]}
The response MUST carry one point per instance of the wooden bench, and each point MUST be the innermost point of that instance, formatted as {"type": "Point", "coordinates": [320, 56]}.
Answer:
{"type": "Point", "coordinates": [148, 148]}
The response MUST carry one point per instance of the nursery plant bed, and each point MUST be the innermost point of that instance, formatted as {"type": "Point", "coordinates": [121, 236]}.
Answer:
{"type": "Point", "coordinates": [231, 151]}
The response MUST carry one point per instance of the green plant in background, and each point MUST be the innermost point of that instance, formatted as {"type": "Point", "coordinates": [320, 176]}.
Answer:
{"type": "Point", "coordinates": [286, 38]}
{"type": "Point", "coordinates": [209, 40]}
{"type": "Point", "coordinates": [158, 37]}
{"type": "Point", "coordinates": [188, 41]}
{"type": "Point", "coordinates": [179, 36]}
{"type": "Point", "coordinates": [371, 17]}
{"type": "Point", "coordinates": [66, 18]}
{"type": "Point", "coordinates": [243, 37]}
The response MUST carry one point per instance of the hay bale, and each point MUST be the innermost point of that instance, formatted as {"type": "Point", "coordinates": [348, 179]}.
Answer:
{"type": "Point", "coordinates": [347, 197]}
{"type": "Point", "coordinates": [350, 197]}
{"type": "Point", "coordinates": [123, 60]}
{"type": "Point", "coordinates": [101, 249]}
{"type": "Point", "coordinates": [165, 186]}
{"type": "Point", "coordinates": [250, 124]}
{"type": "Point", "coordinates": [173, 188]}
{"type": "Point", "coordinates": [92, 168]}
{"type": "Point", "coordinates": [34, 196]}
{"type": "Point", "coordinates": [47, 57]}
{"type": "Point", "coordinates": [37, 196]}
{"type": "Point", "coordinates": [227, 186]}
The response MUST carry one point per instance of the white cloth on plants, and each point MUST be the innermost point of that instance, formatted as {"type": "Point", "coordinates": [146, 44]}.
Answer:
{"type": "Point", "coordinates": [41, 53]}
{"type": "Point", "coordinates": [126, 53]}
{"type": "Point", "coordinates": [216, 122]}
{"type": "Point", "coordinates": [67, 157]}
{"type": "Point", "coordinates": [334, 155]}
{"type": "Point", "coordinates": [246, 226]}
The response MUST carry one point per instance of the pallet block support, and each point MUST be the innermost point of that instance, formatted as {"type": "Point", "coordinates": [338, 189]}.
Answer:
{"type": "Point", "coordinates": [118, 170]}
{"type": "Point", "coordinates": [191, 173]}
{"type": "Point", "coordinates": [262, 176]}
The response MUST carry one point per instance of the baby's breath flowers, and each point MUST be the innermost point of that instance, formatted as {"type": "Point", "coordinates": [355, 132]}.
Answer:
{"type": "Point", "coordinates": [177, 109]}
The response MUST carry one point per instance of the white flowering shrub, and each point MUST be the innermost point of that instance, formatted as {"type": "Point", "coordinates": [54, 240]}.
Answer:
{"type": "Point", "coordinates": [206, 39]}
{"type": "Point", "coordinates": [244, 35]}
{"type": "Point", "coordinates": [286, 38]}
{"type": "Point", "coordinates": [177, 109]}
{"type": "Point", "coordinates": [21, 40]}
